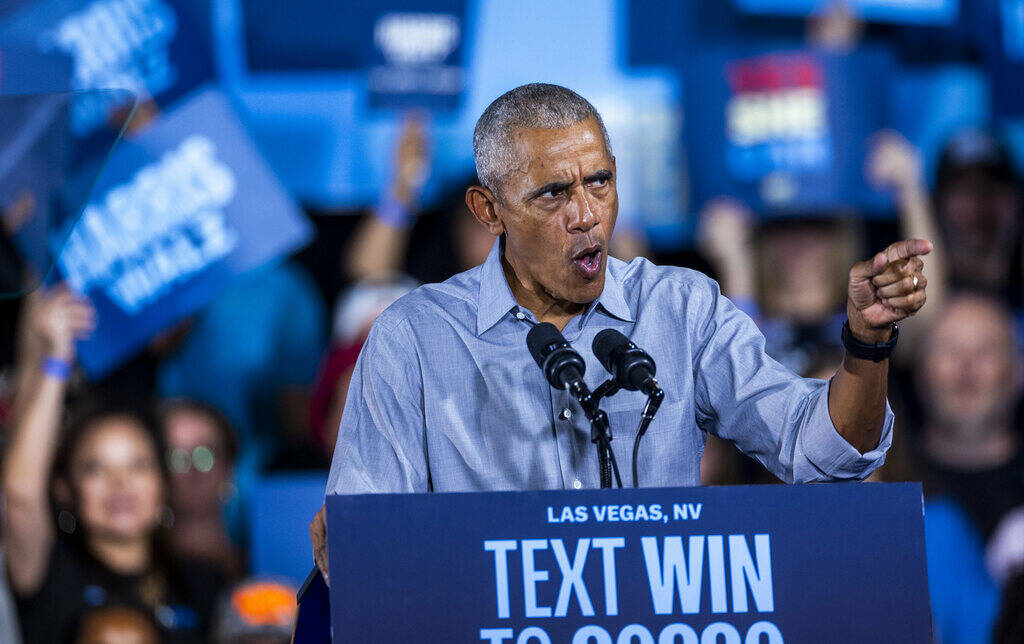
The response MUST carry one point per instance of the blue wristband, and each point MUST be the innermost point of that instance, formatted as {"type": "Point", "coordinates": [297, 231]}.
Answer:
{"type": "Point", "coordinates": [393, 212]}
{"type": "Point", "coordinates": [57, 368]}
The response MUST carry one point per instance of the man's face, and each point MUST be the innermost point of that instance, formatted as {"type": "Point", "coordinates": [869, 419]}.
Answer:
{"type": "Point", "coordinates": [969, 374]}
{"type": "Point", "coordinates": [558, 210]}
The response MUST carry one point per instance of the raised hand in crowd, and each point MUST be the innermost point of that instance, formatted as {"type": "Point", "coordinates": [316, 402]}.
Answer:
{"type": "Point", "coordinates": [725, 236]}
{"type": "Point", "coordinates": [51, 324]}
{"type": "Point", "coordinates": [378, 245]}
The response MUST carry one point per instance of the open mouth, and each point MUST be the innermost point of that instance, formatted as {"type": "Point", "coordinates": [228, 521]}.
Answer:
{"type": "Point", "coordinates": [588, 261]}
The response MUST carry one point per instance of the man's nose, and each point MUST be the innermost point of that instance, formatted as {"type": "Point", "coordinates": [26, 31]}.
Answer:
{"type": "Point", "coordinates": [584, 212]}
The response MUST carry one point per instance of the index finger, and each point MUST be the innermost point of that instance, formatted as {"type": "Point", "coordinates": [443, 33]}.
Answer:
{"type": "Point", "coordinates": [908, 248]}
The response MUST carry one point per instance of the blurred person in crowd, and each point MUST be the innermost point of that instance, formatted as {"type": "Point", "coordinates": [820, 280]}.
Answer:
{"type": "Point", "coordinates": [117, 625]}
{"type": "Point", "coordinates": [1004, 554]}
{"type": "Point", "coordinates": [256, 611]}
{"type": "Point", "coordinates": [252, 354]}
{"type": "Point", "coordinates": [969, 377]}
{"type": "Point", "coordinates": [106, 474]}
{"type": "Point", "coordinates": [964, 599]}
{"type": "Point", "coordinates": [788, 274]}
{"type": "Point", "coordinates": [973, 214]}
{"type": "Point", "coordinates": [9, 631]}
{"type": "Point", "coordinates": [381, 243]}
{"type": "Point", "coordinates": [978, 206]}
{"type": "Point", "coordinates": [354, 314]}
{"type": "Point", "coordinates": [1010, 624]}
{"type": "Point", "coordinates": [202, 448]}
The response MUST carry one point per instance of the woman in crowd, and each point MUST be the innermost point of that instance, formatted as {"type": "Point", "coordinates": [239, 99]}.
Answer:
{"type": "Point", "coordinates": [105, 480]}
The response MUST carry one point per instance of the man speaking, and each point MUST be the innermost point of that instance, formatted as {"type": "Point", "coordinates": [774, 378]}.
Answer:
{"type": "Point", "coordinates": [446, 397]}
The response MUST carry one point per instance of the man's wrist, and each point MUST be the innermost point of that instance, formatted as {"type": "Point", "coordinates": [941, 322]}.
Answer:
{"type": "Point", "coordinates": [870, 335]}
{"type": "Point", "coordinates": [873, 348]}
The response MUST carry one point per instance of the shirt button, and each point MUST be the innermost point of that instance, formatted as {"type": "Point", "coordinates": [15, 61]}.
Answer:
{"type": "Point", "coordinates": [520, 315]}
{"type": "Point", "coordinates": [577, 484]}
{"type": "Point", "coordinates": [565, 414]}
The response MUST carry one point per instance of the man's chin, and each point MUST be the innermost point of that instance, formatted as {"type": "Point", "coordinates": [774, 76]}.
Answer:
{"type": "Point", "coordinates": [585, 291]}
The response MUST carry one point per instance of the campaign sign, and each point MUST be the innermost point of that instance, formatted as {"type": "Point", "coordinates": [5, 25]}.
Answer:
{"type": "Point", "coordinates": [786, 132]}
{"type": "Point", "coordinates": [153, 48]}
{"type": "Point", "coordinates": [177, 213]}
{"type": "Point", "coordinates": [804, 563]}
{"type": "Point", "coordinates": [412, 51]}
{"type": "Point", "coordinates": [25, 70]}
{"type": "Point", "coordinates": [914, 12]}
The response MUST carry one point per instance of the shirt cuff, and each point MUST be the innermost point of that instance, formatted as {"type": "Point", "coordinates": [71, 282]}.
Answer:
{"type": "Point", "coordinates": [830, 452]}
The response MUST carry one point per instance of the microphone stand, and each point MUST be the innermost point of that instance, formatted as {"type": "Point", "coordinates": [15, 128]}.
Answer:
{"type": "Point", "coordinates": [600, 431]}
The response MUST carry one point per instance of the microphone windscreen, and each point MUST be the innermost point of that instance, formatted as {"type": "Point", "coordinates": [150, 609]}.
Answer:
{"type": "Point", "coordinates": [541, 336]}
{"type": "Point", "coordinates": [605, 343]}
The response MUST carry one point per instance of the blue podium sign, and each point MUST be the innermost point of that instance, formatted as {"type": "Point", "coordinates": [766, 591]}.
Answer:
{"type": "Point", "coordinates": [803, 563]}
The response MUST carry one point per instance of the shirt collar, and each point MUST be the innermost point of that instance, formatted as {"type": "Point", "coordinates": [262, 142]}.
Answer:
{"type": "Point", "coordinates": [495, 298]}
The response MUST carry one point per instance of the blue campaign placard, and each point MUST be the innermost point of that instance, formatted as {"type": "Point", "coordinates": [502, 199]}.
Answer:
{"type": "Point", "coordinates": [24, 70]}
{"type": "Point", "coordinates": [159, 49]}
{"type": "Point", "coordinates": [178, 212]}
{"type": "Point", "coordinates": [803, 563]}
{"type": "Point", "coordinates": [785, 131]}
{"type": "Point", "coordinates": [914, 12]}
{"type": "Point", "coordinates": [412, 52]}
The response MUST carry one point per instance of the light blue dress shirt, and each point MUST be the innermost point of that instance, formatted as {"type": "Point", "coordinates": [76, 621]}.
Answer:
{"type": "Point", "coordinates": [446, 397]}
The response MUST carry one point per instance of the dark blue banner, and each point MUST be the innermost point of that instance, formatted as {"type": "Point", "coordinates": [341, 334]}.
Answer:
{"type": "Point", "coordinates": [178, 212]}
{"type": "Point", "coordinates": [411, 51]}
{"type": "Point", "coordinates": [915, 12]}
{"type": "Point", "coordinates": [786, 132]}
{"type": "Point", "coordinates": [805, 563]}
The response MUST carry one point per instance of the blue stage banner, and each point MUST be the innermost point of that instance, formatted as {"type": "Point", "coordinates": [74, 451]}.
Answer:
{"type": "Point", "coordinates": [787, 131]}
{"type": "Point", "coordinates": [159, 49]}
{"type": "Point", "coordinates": [411, 51]}
{"type": "Point", "coordinates": [913, 12]}
{"type": "Point", "coordinates": [804, 563]}
{"type": "Point", "coordinates": [178, 212]}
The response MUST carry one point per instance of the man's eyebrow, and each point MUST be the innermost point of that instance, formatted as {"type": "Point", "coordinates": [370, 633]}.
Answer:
{"type": "Point", "coordinates": [600, 175]}
{"type": "Point", "coordinates": [554, 186]}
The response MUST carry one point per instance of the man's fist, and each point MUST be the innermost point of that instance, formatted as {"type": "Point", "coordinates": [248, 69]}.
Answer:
{"type": "Point", "coordinates": [886, 288]}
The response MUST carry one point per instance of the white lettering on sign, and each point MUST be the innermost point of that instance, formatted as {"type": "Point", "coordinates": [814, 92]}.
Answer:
{"type": "Point", "coordinates": [416, 38]}
{"type": "Point", "coordinates": [162, 226]}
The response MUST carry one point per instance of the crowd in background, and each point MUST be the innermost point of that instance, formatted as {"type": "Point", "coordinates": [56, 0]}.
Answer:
{"type": "Point", "coordinates": [124, 499]}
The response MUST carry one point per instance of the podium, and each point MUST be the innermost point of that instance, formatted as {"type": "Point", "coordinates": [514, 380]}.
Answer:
{"type": "Point", "coordinates": [734, 565]}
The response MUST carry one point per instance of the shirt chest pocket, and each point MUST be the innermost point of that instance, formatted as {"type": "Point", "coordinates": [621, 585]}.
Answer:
{"type": "Point", "coordinates": [624, 410]}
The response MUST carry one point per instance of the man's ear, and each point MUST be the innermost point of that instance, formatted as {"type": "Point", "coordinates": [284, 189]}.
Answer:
{"type": "Point", "coordinates": [482, 203]}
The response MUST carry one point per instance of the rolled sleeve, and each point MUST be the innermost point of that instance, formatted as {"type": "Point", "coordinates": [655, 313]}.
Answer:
{"type": "Point", "coordinates": [829, 452]}
{"type": "Point", "coordinates": [771, 414]}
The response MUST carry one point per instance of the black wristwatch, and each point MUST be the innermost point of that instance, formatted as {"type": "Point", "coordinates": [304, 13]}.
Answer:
{"type": "Point", "coordinates": [875, 352]}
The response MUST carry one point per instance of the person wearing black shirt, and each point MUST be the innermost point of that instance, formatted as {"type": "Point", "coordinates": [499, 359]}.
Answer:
{"type": "Point", "coordinates": [970, 377]}
{"type": "Point", "coordinates": [108, 479]}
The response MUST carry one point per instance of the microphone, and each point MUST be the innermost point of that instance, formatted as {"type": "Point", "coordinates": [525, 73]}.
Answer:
{"type": "Point", "coordinates": [561, 364]}
{"type": "Point", "coordinates": [631, 366]}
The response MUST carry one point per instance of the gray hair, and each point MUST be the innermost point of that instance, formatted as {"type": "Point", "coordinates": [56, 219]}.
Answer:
{"type": "Point", "coordinates": [537, 105]}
